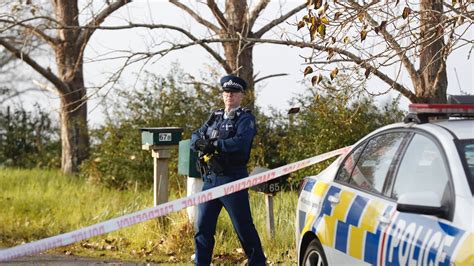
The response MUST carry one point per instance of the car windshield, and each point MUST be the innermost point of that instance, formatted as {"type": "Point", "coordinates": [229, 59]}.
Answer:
{"type": "Point", "coordinates": [466, 148]}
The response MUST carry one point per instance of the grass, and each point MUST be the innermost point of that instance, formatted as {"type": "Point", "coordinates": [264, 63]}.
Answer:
{"type": "Point", "coordinates": [38, 203]}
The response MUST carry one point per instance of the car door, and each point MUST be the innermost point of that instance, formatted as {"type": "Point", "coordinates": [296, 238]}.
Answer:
{"type": "Point", "coordinates": [423, 182]}
{"type": "Point", "coordinates": [355, 211]}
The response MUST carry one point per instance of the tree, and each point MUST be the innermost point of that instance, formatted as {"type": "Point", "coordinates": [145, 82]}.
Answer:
{"type": "Point", "coordinates": [379, 34]}
{"type": "Point", "coordinates": [235, 24]}
{"type": "Point", "coordinates": [60, 32]}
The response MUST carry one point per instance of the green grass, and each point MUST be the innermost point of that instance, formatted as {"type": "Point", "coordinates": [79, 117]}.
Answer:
{"type": "Point", "coordinates": [37, 203]}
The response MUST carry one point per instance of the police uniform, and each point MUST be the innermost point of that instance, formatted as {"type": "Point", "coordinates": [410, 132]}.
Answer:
{"type": "Point", "coordinates": [232, 135]}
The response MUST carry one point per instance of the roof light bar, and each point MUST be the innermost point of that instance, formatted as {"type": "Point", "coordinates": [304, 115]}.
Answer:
{"type": "Point", "coordinates": [461, 109]}
{"type": "Point", "coordinates": [420, 113]}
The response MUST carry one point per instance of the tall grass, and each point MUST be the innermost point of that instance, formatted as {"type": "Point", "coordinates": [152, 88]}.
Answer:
{"type": "Point", "coordinates": [38, 203]}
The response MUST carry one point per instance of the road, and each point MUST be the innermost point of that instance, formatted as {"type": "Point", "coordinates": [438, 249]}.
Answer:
{"type": "Point", "coordinates": [54, 259]}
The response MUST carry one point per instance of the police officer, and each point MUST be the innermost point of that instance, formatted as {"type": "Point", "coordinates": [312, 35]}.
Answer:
{"type": "Point", "coordinates": [224, 143]}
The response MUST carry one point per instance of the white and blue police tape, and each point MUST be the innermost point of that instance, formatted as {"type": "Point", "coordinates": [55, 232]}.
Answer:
{"type": "Point", "coordinates": [160, 210]}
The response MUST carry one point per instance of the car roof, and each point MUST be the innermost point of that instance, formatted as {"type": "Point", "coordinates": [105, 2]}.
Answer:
{"type": "Point", "coordinates": [462, 128]}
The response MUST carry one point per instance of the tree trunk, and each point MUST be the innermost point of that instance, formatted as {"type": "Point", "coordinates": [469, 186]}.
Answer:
{"type": "Point", "coordinates": [74, 130]}
{"type": "Point", "coordinates": [239, 56]}
{"type": "Point", "coordinates": [432, 55]}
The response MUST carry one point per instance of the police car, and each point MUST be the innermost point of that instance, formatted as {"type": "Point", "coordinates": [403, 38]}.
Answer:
{"type": "Point", "coordinates": [402, 195]}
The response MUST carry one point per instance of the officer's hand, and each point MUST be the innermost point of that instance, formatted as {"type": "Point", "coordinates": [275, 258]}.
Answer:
{"type": "Point", "coordinates": [205, 146]}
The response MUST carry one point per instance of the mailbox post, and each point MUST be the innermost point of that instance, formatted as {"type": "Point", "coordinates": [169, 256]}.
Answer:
{"type": "Point", "coordinates": [160, 141]}
{"type": "Point", "coordinates": [269, 188]}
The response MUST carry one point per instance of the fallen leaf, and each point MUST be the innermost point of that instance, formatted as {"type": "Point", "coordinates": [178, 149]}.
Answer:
{"type": "Point", "coordinates": [308, 70]}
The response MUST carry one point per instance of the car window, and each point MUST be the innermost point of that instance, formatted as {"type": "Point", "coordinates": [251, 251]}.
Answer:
{"type": "Point", "coordinates": [467, 156]}
{"type": "Point", "coordinates": [422, 169]}
{"type": "Point", "coordinates": [345, 171]}
{"type": "Point", "coordinates": [370, 170]}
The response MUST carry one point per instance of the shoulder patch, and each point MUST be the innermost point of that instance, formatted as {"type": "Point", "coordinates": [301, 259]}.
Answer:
{"type": "Point", "coordinates": [246, 110]}
{"type": "Point", "coordinates": [219, 112]}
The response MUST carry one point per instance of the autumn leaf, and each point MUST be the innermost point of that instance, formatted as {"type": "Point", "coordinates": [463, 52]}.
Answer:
{"type": "Point", "coordinates": [308, 70]}
{"type": "Point", "coordinates": [363, 35]}
{"type": "Point", "coordinates": [367, 72]}
{"type": "Point", "coordinates": [322, 30]}
{"type": "Point", "coordinates": [337, 15]}
{"type": "Point", "coordinates": [300, 25]}
{"type": "Point", "coordinates": [380, 27]}
{"type": "Point", "coordinates": [406, 12]}
{"type": "Point", "coordinates": [307, 18]}
{"type": "Point", "coordinates": [330, 53]}
{"type": "Point", "coordinates": [439, 30]}
{"type": "Point", "coordinates": [454, 2]}
{"type": "Point", "coordinates": [324, 20]}
{"type": "Point", "coordinates": [318, 4]}
{"type": "Point", "coordinates": [346, 40]}
{"type": "Point", "coordinates": [312, 32]}
{"type": "Point", "coordinates": [333, 39]}
{"type": "Point", "coordinates": [316, 79]}
{"type": "Point", "coordinates": [361, 16]}
{"type": "Point", "coordinates": [334, 73]}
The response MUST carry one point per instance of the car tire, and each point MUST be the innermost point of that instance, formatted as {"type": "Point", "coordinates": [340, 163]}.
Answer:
{"type": "Point", "coordinates": [314, 255]}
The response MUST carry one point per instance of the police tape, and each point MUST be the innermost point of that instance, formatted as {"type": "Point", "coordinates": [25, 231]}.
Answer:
{"type": "Point", "coordinates": [160, 210]}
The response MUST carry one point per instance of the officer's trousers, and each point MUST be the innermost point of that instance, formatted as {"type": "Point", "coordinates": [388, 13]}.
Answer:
{"type": "Point", "coordinates": [238, 207]}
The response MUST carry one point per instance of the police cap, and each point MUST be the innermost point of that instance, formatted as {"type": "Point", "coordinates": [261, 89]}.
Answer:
{"type": "Point", "coordinates": [233, 83]}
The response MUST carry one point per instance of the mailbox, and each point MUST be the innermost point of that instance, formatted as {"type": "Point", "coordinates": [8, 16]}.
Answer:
{"type": "Point", "coordinates": [161, 136]}
{"type": "Point", "coordinates": [187, 160]}
{"type": "Point", "coordinates": [270, 187]}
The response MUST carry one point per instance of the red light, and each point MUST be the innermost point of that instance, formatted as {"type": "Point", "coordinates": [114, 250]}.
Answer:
{"type": "Point", "coordinates": [441, 108]}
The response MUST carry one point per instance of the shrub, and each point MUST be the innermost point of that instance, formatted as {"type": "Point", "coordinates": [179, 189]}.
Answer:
{"type": "Point", "coordinates": [28, 139]}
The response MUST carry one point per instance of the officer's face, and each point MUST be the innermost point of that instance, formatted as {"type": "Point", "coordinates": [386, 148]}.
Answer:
{"type": "Point", "coordinates": [232, 99]}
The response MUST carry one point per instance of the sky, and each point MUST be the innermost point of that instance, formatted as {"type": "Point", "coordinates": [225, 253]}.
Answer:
{"type": "Point", "coordinates": [268, 59]}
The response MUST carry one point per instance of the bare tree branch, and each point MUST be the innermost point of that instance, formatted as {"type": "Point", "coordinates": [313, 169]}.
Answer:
{"type": "Point", "coordinates": [46, 73]}
{"type": "Point", "coordinates": [277, 21]}
{"type": "Point", "coordinates": [391, 40]}
{"type": "Point", "coordinates": [37, 32]}
{"type": "Point", "coordinates": [256, 11]}
{"type": "Point", "coordinates": [198, 18]}
{"type": "Point", "coordinates": [195, 40]}
{"type": "Point", "coordinates": [270, 76]}
{"type": "Point", "coordinates": [218, 14]}
{"type": "Point", "coordinates": [467, 15]}
{"type": "Point", "coordinates": [97, 20]}
{"type": "Point", "coordinates": [361, 62]}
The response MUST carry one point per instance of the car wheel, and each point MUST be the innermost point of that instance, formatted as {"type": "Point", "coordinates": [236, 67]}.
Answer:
{"type": "Point", "coordinates": [314, 254]}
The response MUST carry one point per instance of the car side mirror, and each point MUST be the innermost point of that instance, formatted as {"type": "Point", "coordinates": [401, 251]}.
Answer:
{"type": "Point", "coordinates": [427, 203]}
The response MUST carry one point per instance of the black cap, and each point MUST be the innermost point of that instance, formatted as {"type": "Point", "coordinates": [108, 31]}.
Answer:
{"type": "Point", "coordinates": [233, 83]}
